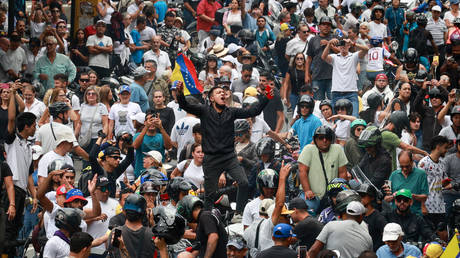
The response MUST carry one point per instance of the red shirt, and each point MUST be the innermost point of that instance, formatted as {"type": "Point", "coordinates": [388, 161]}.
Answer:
{"type": "Point", "coordinates": [209, 10]}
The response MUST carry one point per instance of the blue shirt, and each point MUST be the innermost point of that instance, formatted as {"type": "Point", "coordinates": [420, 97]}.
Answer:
{"type": "Point", "coordinates": [411, 27]}
{"type": "Point", "coordinates": [137, 55]}
{"type": "Point", "coordinates": [139, 96]}
{"type": "Point", "coordinates": [395, 17]}
{"type": "Point", "coordinates": [305, 128]}
{"type": "Point", "coordinates": [149, 143]}
{"type": "Point", "coordinates": [384, 251]}
{"type": "Point", "coordinates": [161, 7]}
{"type": "Point", "coordinates": [263, 37]}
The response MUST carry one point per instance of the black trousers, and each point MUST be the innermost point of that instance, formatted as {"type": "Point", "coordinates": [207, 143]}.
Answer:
{"type": "Point", "coordinates": [213, 167]}
{"type": "Point", "coordinates": [13, 227]}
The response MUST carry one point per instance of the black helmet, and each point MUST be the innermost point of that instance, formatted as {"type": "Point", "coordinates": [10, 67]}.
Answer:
{"type": "Point", "coordinates": [411, 56]}
{"type": "Point", "coordinates": [400, 120]}
{"type": "Point", "coordinates": [435, 92]}
{"type": "Point", "coordinates": [177, 185]}
{"type": "Point", "coordinates": [371, 136]}
{"type": "Point", "coordinates": [306, 100]}
{"type": "Point", "coordinates": [336, 186]}
{"type": "Point", "coordinates": [265, 145]}
{"type": "Point", "coordinates": [455, 111]}
{"type": "Point", "coordinates": [57, 108]}
{"type": "Point", "coordinates": [168, 224]}
{"type": "Point", "coordinates": [154, 175]}
{"type": "Point", "coordinates": [377, 8]}
{"type": "Point", "coordinates": [421, 75]}
{"type": "Point", "coordinates": [267, 178]}
{"type": "Point", "coordinates": [343, 103]}
{"type": "Point", "coordinates": [374, 100]}
{"type": "Point", "coordinates": [148, 187]}
{"type": "Point", "coordinates": [325, 102]}
{"type": "Point", "coordinates": [246, 35]}
{"type": "Point", "coordinates": [369, 3]}
{"type": "Point", "coordinates": [422, 20]}
{"type": "Point", "coordinates": [242, 125]}
{"type": "Point", "coordinates": [68, 219]}
{"type": "Point", "coordinates": [186, 206]}
{"type": "Point", "coordinates": [56, 164]}
{"type": "Point", "coordinates": [135, 203]}
{"type": "Point", "coordinates": [367, 189]}
{"type": "Point", "coordinates": [211, 57]}
{"type": "Point", "coordinates": [250, 101]}
{"type": "Point", "coordinates": [325, 130]}
{"type": "Point", "coordinates": [356, 6]}
{"type": "Point", "coordinates": [456, 206]}
{"type": "Point", "coordinates": [343, 199]}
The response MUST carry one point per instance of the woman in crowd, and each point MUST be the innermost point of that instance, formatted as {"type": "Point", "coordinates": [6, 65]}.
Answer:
{"type": "Point", "coordinates": [93, 78]}
{"type": "Point", "coordinates": [105, 10]}
{"type": "Point", "coordinates": [79, 53]}
{"type": "Point", "coordinates": [233, 21]}
{"type": "Point", "coordinates": [31, 103]}
{"type": "Point", "coordinates": [206, 77]}
{"type": "Point", "coordinates": [192, 169]}
{"type": "Point", "coordinates": [106, 96]}
{"type": "Point", "coordinates": [294, 80]}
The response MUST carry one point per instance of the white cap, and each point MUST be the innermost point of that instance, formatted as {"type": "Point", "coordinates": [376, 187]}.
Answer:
{"type": "Point", "coordinates": [139, 117]}
{"type": "Point", "coordinates": [65, 134]}
{"type": "Point", "coordinates": [229, 58]}
{"type": "Point", "coordinates": [155, 155]}
{"type": "Point", "coordinates": [36, 151]}
{"type": "Point", "coordinates": [391, 232]}
{"type": "Point", "coordinates": [355, 208]}
{"type": "Point", "coordinates": [232, 47]}
{"type": "Point", "coordinates": [436, 8]}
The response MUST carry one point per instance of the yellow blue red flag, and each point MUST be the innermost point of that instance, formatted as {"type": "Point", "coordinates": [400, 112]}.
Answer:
{"type": "Point", "coordinates": [185, 71]}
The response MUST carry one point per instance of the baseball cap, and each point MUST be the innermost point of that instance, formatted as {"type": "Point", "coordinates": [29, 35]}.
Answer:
{"type": "Point", "coordinates": [454, 1]}
{"type": "Point", "coordinates": [327, 19]}
{"type": "Point", "coordinates": [391, 232]}
{"type": "Point", "coordinates": [298, 203]}
{"type": "Point", "coordinates": [436, 8]}
{"type": "Point", "coordinates": [102, 181]}
{"type": "Point", "coordinates": [124, 88]}
{"type": "Point", "coordinates": [74, 194]}
{"type": "Point", "coordinates": [264, 205]}
{"type": "Point", "coordinates": [100, 22]}
{"type": "Point", "coordinates": [283, 230]}
{"type": "Point", "coordinates": [285, 26]}
{"type": "Point", "coordinates": [65, 134]}
{"type": "Point", "coordinates": [355, 208]}
{"type": "Point", "coordinates": [61, 190]}
{"type": "Point", "coordinates": [155, 155]}
{"type": "Point", "coordinates": [404, 192]}
{"type": "Point", "coordinates": [250, 91]}
{"type": "Point", "coordinates": [37, 151]}
{"type": "Point", "coordinates": [381, 76]}
{"type": "Point", "coordinates": [111, 150]}
{"type": "Point", "coordinates": [232, 48]}
{"type": "Point", "coordinates": [139, 71]}
{"type": "Point", "coordinates": [139, 117]}
{"type": "Point", "coordinates": [237, 241]}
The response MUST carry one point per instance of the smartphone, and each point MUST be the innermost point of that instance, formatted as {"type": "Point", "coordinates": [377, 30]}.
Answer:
{"type": "Point", "coordinates": [302, 251]}
{"type": "Point", "coordinates": [116, 235]}
{"type": "Point", "coordinates": [268, 90]}
{"type": "Point", "coordinates": [457, 95]}
{"type": "Point", "coordinates": [436, 59]}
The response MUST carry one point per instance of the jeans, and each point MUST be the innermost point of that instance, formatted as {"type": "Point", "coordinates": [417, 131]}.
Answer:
{"type": "Point", "coordinates": [322, 88]}
{"type": "Point", "coordinates": [449, 199]}
{"type": "Point", "coordinates": [293, 98]}
{"type": "Point", "coordinates": [188, 18]}
{"type": "Point", "coordinates": [351, 96]}
{"type": "Point", "coordinates": [213, 166]}
{"type": "Point", "coordinates": [363, 82]}
{"type": "Point", "coordinates": [12, 227]}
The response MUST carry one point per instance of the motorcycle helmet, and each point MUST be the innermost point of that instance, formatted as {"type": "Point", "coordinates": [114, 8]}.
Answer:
{"type": "Point", "coordinates": [68, 219]}
{"type": "Point", "coordinates": [57, 108]}
{"type": "Point", "coordinates": [56, 164]}
{"type": "Point", "coordinates": [324, 130]}
{"type": "Point", "coordinates": [435, 93]}
{"type": "Point", "coordinates": [400, 120]}
{"type": "Point", "coordinates": [154, 175]}
{"type": "Point", "coordinates": [343, 103]}
{"type": "Point", "coordinates": [371, 136]}
{"type": "Point", "coordinates": [242, 125]}
{"type": "Point", "coordinates": [177, 185]}
{"type": "Point", "coordinates": [186, 206]}
{"type": "Point", "coordinates": [455, 111]}
{"type": "Point", "coordinates": [421, 20]}
{"type": "Point", "coordinates": [355, 124]}
{"type": "Point", "coordinates": [343, 199]}
{"type": "Point", "coordinates": [246, 36]}
{"type": "Point", "coordinates": [211, 57]}
{"type": "Point", "coordinates": [325, 102]}
{"type": "Point", "coordinates": [374, 100]}
{"type": "Point", "coordinates": [377, 8]}
{"type": "Point", "coordinates": [265, 145]}
{"type": "Point", "coordinates": [148, 187]}
{"type": "Point", "coordinates": [411, 56]}
{"type": "Point", "coordinates": [336, 186]}
{"type": "Point", "coordinates": [135, 203]}
{"type": "Point", "coordinates": [356, 8]}
{"type": "Point", "coordinates": [376, 40]}
{"type": "Point", "coordinates": [306, 100]}
{"type": "Point", "coordinates": [367, 189]}
{"type": "Point", "coordinates": [369, 3]}
{"type": "Point", "coordinates": [250, 101]}
{"type": "Point", "coordinates": [168, 224]}
{"type": "Point", "coordinates": [421, 76]}
{"type": "Point", "coordinates": [267, 178]}
{"type": "Point", "coordinates": [456, 207]}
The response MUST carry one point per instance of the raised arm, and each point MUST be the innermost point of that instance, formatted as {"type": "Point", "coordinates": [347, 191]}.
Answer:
{"type": "Point", "coordinates": [325, 55]}
{"type": "Point", "coordinates": [195, 109]}
{"type": "Point", "coordinates": [281, 192]}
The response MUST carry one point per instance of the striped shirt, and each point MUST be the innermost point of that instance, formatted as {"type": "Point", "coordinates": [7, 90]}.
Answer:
{"type": "Point", "coordinates": [437, 30]}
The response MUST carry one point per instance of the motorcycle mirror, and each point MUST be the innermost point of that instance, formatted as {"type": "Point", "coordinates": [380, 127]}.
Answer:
{"type": "Point", "coordinates": [394, 46]}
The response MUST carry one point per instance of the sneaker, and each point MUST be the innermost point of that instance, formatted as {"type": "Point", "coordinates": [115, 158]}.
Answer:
{"type": "Point", "coordinates": [237, 218]}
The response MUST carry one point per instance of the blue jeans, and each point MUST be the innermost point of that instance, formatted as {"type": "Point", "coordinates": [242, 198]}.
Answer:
{"type": "Point", "coordinates": [449, 199]}
{"type": "Point", "coordinates": [293, 98]}
{"type": "Point", "coordinates": [321, 88]}
{"type": "Point", "coordinates": [188, 18]}
{"type": "Point", "coordinates": [351, 96]}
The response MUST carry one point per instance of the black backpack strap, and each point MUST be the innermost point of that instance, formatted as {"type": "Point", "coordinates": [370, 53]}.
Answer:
{"type": "Point", "coordinates": [324, 169]}
{"type": "Point", "coordinates": [52, 131]}
{"type": "Point", "coordinates": [256, 244]}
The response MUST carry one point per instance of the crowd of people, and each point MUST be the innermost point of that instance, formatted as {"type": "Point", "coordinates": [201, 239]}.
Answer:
{"type": "Point", "coordinates": [322, 129]}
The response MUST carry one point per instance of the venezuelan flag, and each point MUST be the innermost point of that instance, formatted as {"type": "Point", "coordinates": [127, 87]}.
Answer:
{"type": "Point", "coordinates": [185, 71]}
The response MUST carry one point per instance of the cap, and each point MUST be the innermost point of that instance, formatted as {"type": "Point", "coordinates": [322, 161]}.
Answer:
{"type": "Point", "coordinates": [404, 192]}
{"type": "Point", "coordinates": [100, 22]}
{"type": "Point", "coordinates": [61, 190]}
{"type": "Point", "coordinates": [232, 48]}
{"type": "Point", "coordinates": [436, 8]}
{"type": "Point", "coordinates": [381, 76]}
{"type": "Point", "coordinates": [155, 155]}
{"type": "Point", "coordinates": [298, 203]}
{"type": "Point", "coordinates": [139, 117]}
{"type": "Point", "coordinates": [454, 1]}
{"type": "Point", "coordinates": [327, 19]}
{"type": "Point", "coordinates": [179, 19]}
{"type": "Point", "coordinates": [140, 71]}
{"type": "Point", "coordinates": [102, 181]}
{"type": "Point", "coordinates": [264, 205]}
{"type": "Point", "coordinates": [37, 151]}
{"type": "Point", "coordinates": [250, 91]}
{"type": "Point", "coordinates": [391, 232]}
{"type": "Point", "coordinates": [111, 150]}
{"type": "Point", "coordinates": [285, 26]}
{"type": "Point", "coordinates": [433, 250]}
{"type": "Point", "coordinates": [285, 211]}
{"type": "Point", "coordinates": [283, 230]}
{"type": "Point", "coordinates": [174, 85]}
{"type": "Point", "coordinates": [124, 88]}
{"type": "Point", "coordinates": [65, 134]}
{"type": "Point", "coordinates": [61, 21]}
{"type": "Point", "coordinates": [237, 241]}
{"type": "Point", "coordinates": [355, 208]}
{"type": "Point", "coordinates": [74, 194]}
{"type": "Point", "coordinates": [228, 58]}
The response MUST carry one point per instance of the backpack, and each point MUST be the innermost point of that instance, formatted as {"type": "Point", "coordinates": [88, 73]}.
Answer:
{"type": "Point", "coordinates": [86, 175]}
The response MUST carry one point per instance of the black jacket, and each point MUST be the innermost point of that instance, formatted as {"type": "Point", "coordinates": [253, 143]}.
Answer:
{"type": "Point", "coordinates": [377, 169]}
{"type": "Point", "coordinates": [218, 128]}
{"type": "Point", "coordinates": [415, 228]}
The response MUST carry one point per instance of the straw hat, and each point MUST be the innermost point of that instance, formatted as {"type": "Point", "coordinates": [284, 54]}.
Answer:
{"type": "Point", "coordinates": [219, 50]}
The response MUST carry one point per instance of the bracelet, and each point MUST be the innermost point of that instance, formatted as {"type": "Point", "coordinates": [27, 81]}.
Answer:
{"type": "Point", "coordinates": [12, 204]}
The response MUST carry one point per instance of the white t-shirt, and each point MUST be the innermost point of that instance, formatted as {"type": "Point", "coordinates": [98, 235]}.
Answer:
{"type": "Point", "coordinates": [46, 138]}
{"type": "Point", "coordinates": [342, 131]}
{"type": "Point", "coordinates": [207, 43]}
{"type": "Point", "coordinates": [132, 9]}
{"type": "Point", "coordinates": [37, 108]}
{"type": "Point", "coordinates": [376, 57]}
{"type": "Point", "coordinates": [129, 173]}
{"type": "Point", "coordinates": [265, 234]}
{"type": "Point", "coordinates": [344, 75]}
{"type": "Point", "coordinates": [102, 59]}
{"type": "Point", "coordinates": [186, 37]}
{"type": "Point", "coordinates": [162, 60]}
{"type": "Point", "coordinates": [450, 17]}
{"type": "Point", "coordinates": [178, 112]}
{"type": "Point", "coordinates": [147, 34]}
{"type": "Point", "coordinates": [47, 159]}
{"type": "Point", "coordinates": [19, 159]}
{"type": "Point", "coordinates": [193, 173]}
{"type": "Point", "coordinates": [121, 115]}
{"type": "Point", "coordinates": [36, 29]}
{"type": "Point", "coordinates": [182, 132]}
{"type": "Point", "coordinates": [98, 228]}
{"type": "Point", "coordinates": [377, 30]}
{"type": "Point", "coordinates": [86, 115]}
{"type": "Point", "coordinates": [259, 129]}
{"type": "Point", "coordinates": [251, 211]}
{"type": "Point", "coordinates": [108, 14]}
{"type": "Point", "coordinates": [449, 133]}
{"type": "Point", "coordinates": [50, 226]}
{"type": "Point", "coordinates": [56, 248]}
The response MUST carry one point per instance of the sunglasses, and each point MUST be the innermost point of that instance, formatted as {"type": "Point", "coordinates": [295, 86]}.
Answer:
{"type": "Point", "coordinates": [61, 27]}
{"type": "Point", "coordinates": [304, 31]}
{"type": "Point", "coordinates": [91, 93]}
{"type": "Point", "coordinates": [303, 106]}
{"type": "Point", "coordinates": [299, 58]}
{"type": "Point", "coordinates": [116, 157]}
{"type": "Point", "coordinates": [103, 188]}
{"type": "Point", "coordinates": [239, 134]}
{"type": "Point", "coordinates": [322, 137]}
{"type": "Point", "coordinates": [403, 199]}
{"type": "Point", "coordinates": [436, 96]}
{"type": "Point", "coordinates": [359, 129]}
{"type": "Point", "coordinates": [84, 80]}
